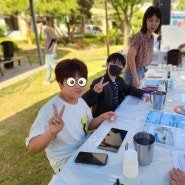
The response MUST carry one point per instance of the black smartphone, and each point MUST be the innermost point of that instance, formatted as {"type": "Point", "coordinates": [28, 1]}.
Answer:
{"type": "Point", "coordinates": [113, 140]}
{"type": "Point", "coordinates": [91, 158]}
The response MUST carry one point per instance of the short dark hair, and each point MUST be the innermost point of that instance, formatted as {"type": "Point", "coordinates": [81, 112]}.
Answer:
{"type": "Point", "coordinates": [151, 11]}
{"type": "Point", "coordinates": [68, 68]}
{"type": "Point", "coordinates": [116, 57]}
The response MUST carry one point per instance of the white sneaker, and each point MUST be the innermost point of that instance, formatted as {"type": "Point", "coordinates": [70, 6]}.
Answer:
{"type": "Point", "coordinates": [46, 83]}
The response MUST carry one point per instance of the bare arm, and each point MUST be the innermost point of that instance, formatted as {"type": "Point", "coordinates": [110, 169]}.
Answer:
{"type": "Point", "coordinates": [181, 46]}
{"type": "Point", "coordinates": [39, 143]}
{"type": "Point", "coordinates": [56, 124]}
{"type": "Point", "coordinates": [98, 120]}
{"type": "Point", "coordinates": [132, 65]}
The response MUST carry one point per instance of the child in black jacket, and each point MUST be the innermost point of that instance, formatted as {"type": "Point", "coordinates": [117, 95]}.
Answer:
{"type": "Point", "coordinates": [107, 92]}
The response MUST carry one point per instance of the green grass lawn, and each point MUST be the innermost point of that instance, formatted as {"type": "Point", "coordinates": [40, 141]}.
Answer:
{"type": "Point", "coordinates": [20, 104]}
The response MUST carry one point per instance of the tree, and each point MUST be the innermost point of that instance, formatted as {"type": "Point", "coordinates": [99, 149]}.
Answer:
{"type": "Point", "coordinates": [125, 10]}
{"type": "Point", "coordinates": [54, 9]}
{"type": "Point", "coordinates": [76, 11]}
{"type": "Point", "coordinates": [49, 8]}
{"type": "Point", "coordinates": [18, 8]}
{"type": "Point", "coordinates": [84, 8]}
{"type": "Point", "coordinates": [181, 5]}
{"type": "Point", "coordinates": [73, 23]}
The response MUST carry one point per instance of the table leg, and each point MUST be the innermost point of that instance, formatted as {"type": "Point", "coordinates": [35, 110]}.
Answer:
{"type": "Point", "coordinates": [1, 71]}
{"type": "Point", "coordinates": [29, 60]}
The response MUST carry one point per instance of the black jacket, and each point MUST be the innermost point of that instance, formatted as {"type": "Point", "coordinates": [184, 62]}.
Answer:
{"type": "Point", "coordinates": [104, 101]}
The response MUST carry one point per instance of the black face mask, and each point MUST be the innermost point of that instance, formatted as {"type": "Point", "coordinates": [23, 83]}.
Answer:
{"type": "Point", "coordinates": [115, 70]}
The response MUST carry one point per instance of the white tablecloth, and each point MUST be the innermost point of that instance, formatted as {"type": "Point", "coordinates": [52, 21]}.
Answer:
{"type": "Point", "coordinates": [131, 116]}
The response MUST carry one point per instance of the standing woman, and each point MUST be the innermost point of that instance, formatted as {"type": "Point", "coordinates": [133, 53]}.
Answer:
{"type": "Point", "coordinates": [140, 52]}
{"type": "Point", "coordinates": [50, 42]}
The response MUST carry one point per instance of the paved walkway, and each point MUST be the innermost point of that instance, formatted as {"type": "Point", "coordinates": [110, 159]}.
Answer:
{"type": "Point", "coordinates": [17, 73]}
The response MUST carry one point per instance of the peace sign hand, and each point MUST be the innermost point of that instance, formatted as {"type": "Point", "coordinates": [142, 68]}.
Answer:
{"type": "Point", "coordinates": [99, 86]}
{"type": "Point", "coordinates": [56, 123]}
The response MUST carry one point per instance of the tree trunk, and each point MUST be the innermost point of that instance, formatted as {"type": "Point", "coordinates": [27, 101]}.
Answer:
{"type": "Point", "coordinates": [126, 35]}
{"type": "Point", "coordinates": [83, 27]}
{"type": "Point", "coordinates": [72, 33]}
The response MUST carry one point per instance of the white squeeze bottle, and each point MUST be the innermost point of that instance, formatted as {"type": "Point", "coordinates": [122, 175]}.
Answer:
{"type": "Point", "coordinates": [130, 163]}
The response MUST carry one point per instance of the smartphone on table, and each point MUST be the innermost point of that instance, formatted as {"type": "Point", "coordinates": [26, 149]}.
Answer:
{"type": "Point", "coordinates": [113, 140]}
{"type": "Point", "coordinates": [91, 158]}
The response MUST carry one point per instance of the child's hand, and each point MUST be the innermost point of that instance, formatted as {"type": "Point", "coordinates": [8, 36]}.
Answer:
{"type": "Point", "coordinates": [111, 116]}
{"type": "Point", "coordinates": [99, 87]}
{"type": "Point", "coordinates": [56, 123]}
{"type": "Point", "coordinates": [145, 97]}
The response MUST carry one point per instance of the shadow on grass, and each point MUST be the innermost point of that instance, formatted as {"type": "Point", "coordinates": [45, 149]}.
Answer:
{"type": "Point", "coordinates": [18, 165]}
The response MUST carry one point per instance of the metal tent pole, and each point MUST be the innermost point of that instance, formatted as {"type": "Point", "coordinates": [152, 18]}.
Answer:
{"type": "Point", "coordinates": [36, 32]}
{"type": "Point", "coordinates": [107, 27]}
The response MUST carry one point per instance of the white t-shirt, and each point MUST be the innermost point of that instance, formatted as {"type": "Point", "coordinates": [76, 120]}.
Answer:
{"type": "Point", "coordinates": [76, 119]}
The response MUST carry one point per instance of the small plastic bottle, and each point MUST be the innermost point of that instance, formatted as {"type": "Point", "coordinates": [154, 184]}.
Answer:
{"type": "Point", "coordinates": [130, 164]}
{"type": "Point", "coordinates": [169, 75]}
{"type": "Point", "coordinates": [117, 182]}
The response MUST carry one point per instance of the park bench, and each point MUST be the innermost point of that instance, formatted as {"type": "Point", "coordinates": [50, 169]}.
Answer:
{"type": "Point", "coordinates": [13, 59]}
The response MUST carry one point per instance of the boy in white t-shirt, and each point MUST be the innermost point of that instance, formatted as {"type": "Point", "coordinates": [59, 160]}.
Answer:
{"type": "Point", "coordinates": [64, 122]}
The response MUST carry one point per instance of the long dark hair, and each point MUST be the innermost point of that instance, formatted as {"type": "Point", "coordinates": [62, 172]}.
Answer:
{"type": "Point", "coordinates": [151, 11]}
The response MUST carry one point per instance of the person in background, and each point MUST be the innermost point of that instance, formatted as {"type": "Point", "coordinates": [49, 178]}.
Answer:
{"type": "Point", "coordinates": [181, 46]}
{"type": "Point", "coordinates": [140, 52]}
{"type": "Point", "coordinates": [177, 177]}
{"type": "Point", "coordinates": [50, 44]}
{"type": "Point", "coordinates": [64, 122]}
{"type": "Point", "coordinates": [108, 91]}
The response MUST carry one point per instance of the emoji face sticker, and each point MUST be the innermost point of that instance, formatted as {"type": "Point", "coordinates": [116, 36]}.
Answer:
{"type": "Point", "coordinates": [72, 81]}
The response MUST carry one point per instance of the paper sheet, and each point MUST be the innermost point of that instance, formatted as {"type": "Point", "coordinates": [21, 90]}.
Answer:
{"type": "Point", "coordinates": [168, 129]}
{"type": "Point", "coordinates": [183, 97]}
{"type": "Point", "coordinates": [165, 119]}
{"type": "Point", "coordinates": [179, 159]}
{"type": "Point", "coordinates": [166, 135]}
{"type": "Point", "coordinates": [163, 135]}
